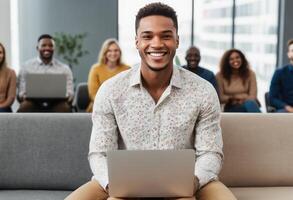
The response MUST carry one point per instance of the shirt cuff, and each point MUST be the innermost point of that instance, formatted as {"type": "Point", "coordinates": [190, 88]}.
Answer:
{"type": "Point", "coordinates": [99, 168]}
{"type": "Point", "coordinates": [203, 181]}
{"type": "Point", "coordinates": [103, 183]}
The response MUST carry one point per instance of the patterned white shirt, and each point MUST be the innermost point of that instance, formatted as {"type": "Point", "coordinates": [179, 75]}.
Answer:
{"type": "Point", "coordinates": [187, 116]}
{"type": "Point", "coordinates": [36, 65]}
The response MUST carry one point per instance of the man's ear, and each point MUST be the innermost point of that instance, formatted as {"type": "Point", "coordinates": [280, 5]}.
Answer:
{"type": "Point", "coordinates": [136, 42]}
{"type": "Point", "coordinates": [37, 47]}
{"type": "Point", "coordinates": [177, 42]}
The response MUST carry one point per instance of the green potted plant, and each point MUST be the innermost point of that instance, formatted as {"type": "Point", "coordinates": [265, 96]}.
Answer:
{"type": "Point", "coordinates": [70, 47]}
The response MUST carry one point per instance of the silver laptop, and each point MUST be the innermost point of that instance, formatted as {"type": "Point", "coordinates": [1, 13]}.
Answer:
{"type": "Point", "coordinates": [151, 173]}
{"type": "Point", "coordinates": [46, 86]}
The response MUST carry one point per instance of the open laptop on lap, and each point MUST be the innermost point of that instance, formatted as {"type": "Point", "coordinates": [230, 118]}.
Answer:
{"type": "Point", "coordinates": [151, 173]}
{"type": "Point", "coordinates": [45, 86]}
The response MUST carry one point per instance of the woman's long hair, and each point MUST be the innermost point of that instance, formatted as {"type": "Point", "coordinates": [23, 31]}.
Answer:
{"type": "Point", "coordinates": [226, 68]}
{"type": "Point", "coordinates": [105, 47]}
{"type": "Point", "coordinates": [3, 62]}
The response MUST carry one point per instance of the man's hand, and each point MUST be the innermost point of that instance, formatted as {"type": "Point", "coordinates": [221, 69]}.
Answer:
{"type": "Point", "coordinates": [196, 185]}
{"type": "Point", "coordinates": [70, 99]}
{"type": "Point", "coordinates": [236, 100]}
{"type": "Point", "coordinates": [107, 188]}
{"type": "Point", "coordinates": [21, 98]}
{"type": "Point", "coordinates": [289, 109]}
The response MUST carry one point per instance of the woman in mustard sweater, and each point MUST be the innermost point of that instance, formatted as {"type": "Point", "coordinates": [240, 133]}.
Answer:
{"type": "Point", "coordinates": [109, 64]}
{"type": "Point", "coordinates": [7, 83]}
{"type": "Point", "coordinates": [237, 83]}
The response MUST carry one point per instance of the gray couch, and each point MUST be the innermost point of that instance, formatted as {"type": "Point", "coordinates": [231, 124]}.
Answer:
{"type": "Point", "coordinates": [44, 156]}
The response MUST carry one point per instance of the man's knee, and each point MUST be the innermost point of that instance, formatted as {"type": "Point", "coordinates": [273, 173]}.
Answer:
{"type": "Point", "coordinates": [182, 198]}
{"type": "Point", "coordinates": [61, 107]}
{"type": "Point", "coordinates": [26, 106]}
{"type": "Point", "coordinates": [89, 191]}
{"type": "Point", "coordinates": [215, 190]}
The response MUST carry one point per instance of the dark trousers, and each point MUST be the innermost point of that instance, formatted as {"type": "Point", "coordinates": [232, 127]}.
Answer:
{"type": "Point", "coordinates": [6, 109]}
{"type": "Point", "coordinates": [247, 106]}
{"type": "Point", "coordinates": [44, 106]}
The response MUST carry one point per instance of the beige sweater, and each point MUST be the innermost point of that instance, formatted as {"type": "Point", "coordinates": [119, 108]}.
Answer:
{"type": "Point", "coordinates": [7, 87]}
{"type": "Point", "coordinates": [236, 88]}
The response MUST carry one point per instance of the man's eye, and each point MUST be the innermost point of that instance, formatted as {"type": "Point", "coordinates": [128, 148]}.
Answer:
{"type": "Point", "coordinates": [167, 36]}
{"type": "Point", "coordinates": [146, 37]}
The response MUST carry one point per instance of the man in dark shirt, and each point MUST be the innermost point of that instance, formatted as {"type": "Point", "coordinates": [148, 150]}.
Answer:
{"type": "Point", "coordinates": [281, 89]}
{"type": "Point", "coordinates": [193, 58]}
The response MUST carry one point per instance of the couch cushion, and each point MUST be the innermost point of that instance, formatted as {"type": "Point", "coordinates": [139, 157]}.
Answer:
{"type": "Point", "coordinates": [258, 149]}
{"type": "Point", "coordinates": [33, 194]}
{"type": "Point", "coordinates": [263, 193]}
{"type": "Point", "coordinates": [44, 150]}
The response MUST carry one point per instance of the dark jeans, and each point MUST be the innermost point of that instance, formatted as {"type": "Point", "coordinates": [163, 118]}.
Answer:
{"type": "Point", "coordinates": [248, 106]}
{"type": "Point", "coordinates": [6, 109]}
{"type": "Point", "coordinates": [283, 110]}
{"type": "Point", "coordinates": [43, 106]}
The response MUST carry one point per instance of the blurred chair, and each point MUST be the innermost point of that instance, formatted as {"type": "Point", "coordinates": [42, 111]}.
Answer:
{"type": "Point", "coordinates": [269, 107]}
{"type": "Point", "coordinates": [81, 99]}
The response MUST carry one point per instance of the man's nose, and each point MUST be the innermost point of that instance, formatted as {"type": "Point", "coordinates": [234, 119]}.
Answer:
{"type": "Point", "coordinates": [48, 47]}
{"type": "Point", "coordinates": [156, 42]}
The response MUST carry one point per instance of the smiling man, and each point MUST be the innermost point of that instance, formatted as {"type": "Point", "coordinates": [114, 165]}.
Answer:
{"type": "Point", "coordinates": [45, 63]}
{"type": "Point", "coordinates": [157, 106]}
{"type": "Point", "coordinates": [193, 58]}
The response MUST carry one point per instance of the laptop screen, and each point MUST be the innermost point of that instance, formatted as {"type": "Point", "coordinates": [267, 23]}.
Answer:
{"type": "Point", "coordinates": [45, 85]}
{"type": "Point", "coordinates": [151, 173]}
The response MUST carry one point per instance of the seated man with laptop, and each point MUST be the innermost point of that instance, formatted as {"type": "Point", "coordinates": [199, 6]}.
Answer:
{"type": "Point", "coordinates": [155, 125]}
{"type": "Point", "coordinates": [45, 83]}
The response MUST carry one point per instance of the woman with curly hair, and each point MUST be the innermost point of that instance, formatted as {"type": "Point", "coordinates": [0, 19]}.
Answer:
{"type": "Point", "coordinates": [237, 83]}
{"type": "Point", "coordinates": [7, 83]}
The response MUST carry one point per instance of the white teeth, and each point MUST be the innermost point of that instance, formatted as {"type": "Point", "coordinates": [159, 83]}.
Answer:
{"type": "Point", "coordinates": [156, 54]}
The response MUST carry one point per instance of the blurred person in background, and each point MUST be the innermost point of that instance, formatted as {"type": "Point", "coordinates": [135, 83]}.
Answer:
{"type": "Point", "coordinates": [193, 58]}
{"type": "Point", "coordinates": [237, 83]}
{"type": "Point", "coordinates": [45, 63]}
{"type": "Point", "coordinates": [281, 89]}
{"type": "Point", "coordinates": [7, 83]}
{"type": "Point", "coordinates": [109, 64]}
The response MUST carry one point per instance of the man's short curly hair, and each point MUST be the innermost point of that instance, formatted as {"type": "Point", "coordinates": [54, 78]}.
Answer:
{"type": "Point", "coordinates": [156, 9]}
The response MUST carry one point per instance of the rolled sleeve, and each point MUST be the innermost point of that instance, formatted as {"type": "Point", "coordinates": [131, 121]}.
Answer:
{"type": "Point", "coordinates": [208, 141]}
{"type": "Point", "coordinates": [104, 136]}
{"type": "Point", "coordinates": [21, 82]}
{"type": "Point", "coordinates": [69, 82]}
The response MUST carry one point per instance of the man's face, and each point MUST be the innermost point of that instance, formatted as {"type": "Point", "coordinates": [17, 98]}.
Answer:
{"type": "Point", "coordinates": [46, 49]}
{"type": "Point", "coordinates": [192, 57]}
{"type": "Point", "coordinates": [290, 53]}
{"type": "Point", "coordinates": [156, 42]}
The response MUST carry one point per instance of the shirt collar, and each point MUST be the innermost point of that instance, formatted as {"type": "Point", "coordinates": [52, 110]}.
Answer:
{"type": "Point", "coordinates": [175, 79]}
{"type": "Point", "coordinates": [40, 62]}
